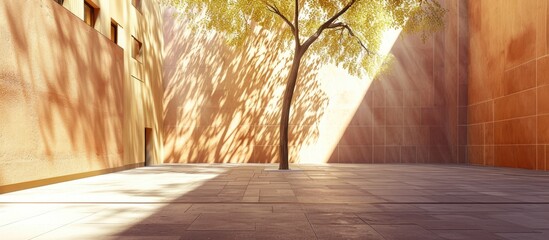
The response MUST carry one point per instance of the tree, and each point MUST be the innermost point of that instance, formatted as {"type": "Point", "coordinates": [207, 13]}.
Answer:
{"type": "Point", "coordinates": [346, 32]}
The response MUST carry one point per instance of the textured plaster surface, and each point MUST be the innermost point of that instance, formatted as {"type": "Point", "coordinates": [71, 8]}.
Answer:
{"type": "Point", "coordinates": [68, 102]}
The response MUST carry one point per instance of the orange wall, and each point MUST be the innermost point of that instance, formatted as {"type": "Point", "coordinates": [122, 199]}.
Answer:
{"type": "Point", "coordinates": [508, 111]}
{"type": "Point", "coordinates": [71, 101]}
{"type": "Point", "coordinates": [61, 104]}
{"type": "Point", "coordinates": [223, 104]}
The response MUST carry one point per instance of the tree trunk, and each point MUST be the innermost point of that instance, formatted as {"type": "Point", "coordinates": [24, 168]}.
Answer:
{"type": "Point", "coordinates": [286, 105]}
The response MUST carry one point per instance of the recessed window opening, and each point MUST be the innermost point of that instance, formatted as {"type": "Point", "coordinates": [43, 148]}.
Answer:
{"type": "Point", "coordinates": [89, 14]}
{"type": "Point", "coordinates": [137, 49]}
{"type": "Point", "coordinates": [114, 32]}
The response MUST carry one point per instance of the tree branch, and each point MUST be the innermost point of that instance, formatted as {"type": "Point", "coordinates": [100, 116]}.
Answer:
{"type": "Point", "coordinates": [296, 24]}
{"type": "Point", "coordinates": [326, 24]}
{"type": "Point", "coordinates": [344, 26]}
{"type": "Point", "coordinates": [274, 9]}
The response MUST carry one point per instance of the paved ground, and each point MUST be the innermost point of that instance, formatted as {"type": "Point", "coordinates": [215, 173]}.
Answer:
{"type": "Point", "coordinates": [311, 202]}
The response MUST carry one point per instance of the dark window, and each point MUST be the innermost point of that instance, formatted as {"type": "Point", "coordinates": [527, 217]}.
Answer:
{"type": "Point", "coordinates": [137, 4]}
{"type": "Point", "coordinates": [114, 32]}
{"type": "Point", "coordinates": [137, 49]}
{"type": "Point", "coordinates": [89, 14]}
{"type": "Point", "coordinates": [59, 1]}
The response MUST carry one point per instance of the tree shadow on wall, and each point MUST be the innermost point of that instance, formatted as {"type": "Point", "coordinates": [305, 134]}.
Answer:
{"type": "Point", "coordinates": [70, 80]}
{"type": "Point", "coordinates": [223, 105]}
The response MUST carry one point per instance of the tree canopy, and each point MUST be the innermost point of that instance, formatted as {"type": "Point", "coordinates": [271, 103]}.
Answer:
{"type": "Point", "coordinates": [351, 40]}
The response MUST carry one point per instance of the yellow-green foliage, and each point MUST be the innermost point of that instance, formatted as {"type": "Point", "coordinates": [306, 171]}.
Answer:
{"type": "Point", "coordinates": [367, 19]}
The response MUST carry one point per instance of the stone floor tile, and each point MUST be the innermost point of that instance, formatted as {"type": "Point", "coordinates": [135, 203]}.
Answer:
{"type": "Point", "coordinates": [224, 221]}
{"type": "Point", "coordinates": [288, 208]}
{"type": "Point", "coordinates": [405, 199]}
{"type": "Point", "coordinates": [335, 232]}
{"type": "Point", "coordinates": [524, 219]}
{"type": "Point", "coordinates": [339, 199]}
{"type": "Point", "coordinates": [466, 235]}
{"type": "Point", "coordinates": [82, 231]}
{"type": "Point", "coordinates": [212, 235]}
{"type": "Point", "coordinates": [285, 230]}
{"type": "Point", "coordinates": [334, 219]}
{"type": "Point", "coordinates": [544, 235]}
{"type": "Point", "coordinates": [337, 207]}
{"type": "Point", "coordinates": [405, 232]}
{"type": "Point", "coordinates": [230, 208]}
{"type": "Point", "coordinates": [276, 193]}
{"type": "Point", "coordinates": [26, 231]}
{"type": "Point", "coordinates": [394, 218]}
{"type": "Point", "coordinates": [15, 213]}
{"type": "Point", "coordinates": [285, 235]}
{"type": "Point", "coordinates": [154, 230]}
{"type": "Point", "coordinates": [165, 217]}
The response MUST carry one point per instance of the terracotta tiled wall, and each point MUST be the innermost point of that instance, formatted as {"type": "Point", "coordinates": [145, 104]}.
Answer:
{"type": "Point", "coordinates": [508, 111]}
{"type": "Point", "coordinates": [411, 114]}
{"type": "Point", "coordinates": [223, 104]}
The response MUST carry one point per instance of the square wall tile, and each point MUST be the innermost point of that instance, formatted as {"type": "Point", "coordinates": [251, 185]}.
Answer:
{"type": "Point", "coordinates": [438, 136]}
{"type": "Point", "coordinates": [394, 116]}
{"type": "Point", "coordinates": [543, 129]}
{"type": "Point", "coordinates": [489, 159]}
{"type": "Point", "coordinates": [394, 98]}
{"type": "Point", "coordinates": [355, 154]}
{"type": "Point", "coordinates": [431, 116]}
{"type": "Point", "coordinates": [540, 158]}
{"type": "Point", "coordinates": [441, 154]}
{"type": "Point", "coordinates": [504, 156]}
{"type": "Point", "coordinates": [392, 154]}
{"type": "Point", "coordinates": [379, 135]}
{"type": "Point", "coordinates": [526, 156]}
{"type": "Point", "coordinates": [379, 154]}
{"type": "Point", "coordinates": [357, 136]}
{"type": "Point", "coordinates": [415, 135]}
{"type": "Point", "coordinates": [518, 79]}
{"type": "Point", "coordinates": [462, 135]}
{"type": "Point", "coordinates": [516, 131]}
{"type": "Point", "coordinates": [408, 154]}
{"type": "Point", "coordinates": [516, 105]}
{"type": "Point", "coordinates": [475, 134]}
{"type": "Point", "coordinates": [462, 155]}
{"type": "Point", "coordinates": [422, 154]}
{"type": "Point", "coordinates": [379, 116]}
{"type": "Point", "coordinates": [379, 97]}
{"type": "Point", "coordinates": [412, 98]}
{"type": "Point", "coordinates": [394, 135]}
{"type": "Point", "coordinates": [489, 133]}
{"type": "Point", "coordinates": [411, 116]}
{"type": "Point", "coordinates": [543, 71]}
{"type": "Point", "coordinates": [546, 157]}
{"type": "Point", "coordinates": [475, 155]}
{"type": "Point", "coordinates": [543, 99]}
{"type": "Point", "coordinates": [480, 113]}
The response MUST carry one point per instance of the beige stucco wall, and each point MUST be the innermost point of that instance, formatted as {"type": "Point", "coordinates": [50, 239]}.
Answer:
{"type": "Point", "coordinates": [68, 101]}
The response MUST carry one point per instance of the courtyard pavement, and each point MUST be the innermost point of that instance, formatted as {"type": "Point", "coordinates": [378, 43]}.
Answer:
{"type": "Point", "coordinates": [309, 202]}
